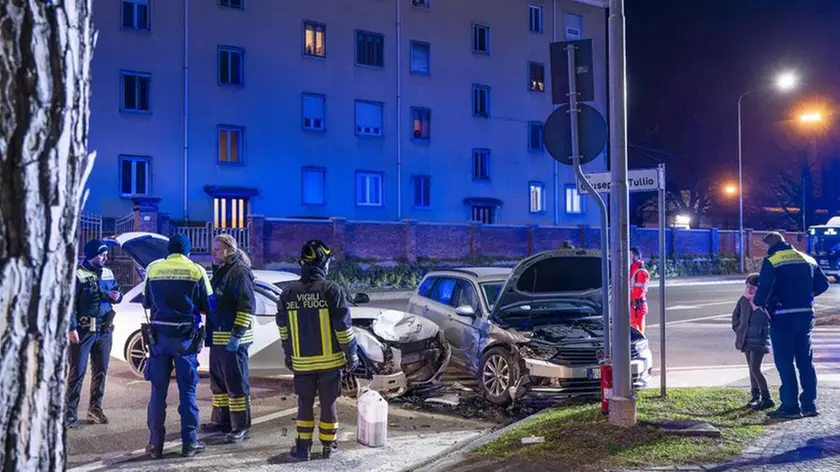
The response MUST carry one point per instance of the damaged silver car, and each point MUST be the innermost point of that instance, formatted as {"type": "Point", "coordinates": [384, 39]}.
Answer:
{"type": "Point", "coordinates": [399, 353]}
{"type": "Point", "coordinates": [534, 331]}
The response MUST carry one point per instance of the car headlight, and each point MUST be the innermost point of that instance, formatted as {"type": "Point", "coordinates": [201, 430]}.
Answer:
{"type": "Point", "coordinates": [642, 345]}
{"type": "Point", "coordinates": [533, 351]}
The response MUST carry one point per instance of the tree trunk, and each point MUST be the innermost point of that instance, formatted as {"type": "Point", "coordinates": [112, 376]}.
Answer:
{"type": "Point", "coordinates": [45, 54]}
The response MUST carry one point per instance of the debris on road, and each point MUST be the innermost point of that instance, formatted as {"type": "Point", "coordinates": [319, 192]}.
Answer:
{"type": "Point", "coordinates": [533, 440]}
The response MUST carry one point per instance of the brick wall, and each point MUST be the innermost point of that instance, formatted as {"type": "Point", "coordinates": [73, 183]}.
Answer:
{"type": "Point", "coordinates": [412, 240]}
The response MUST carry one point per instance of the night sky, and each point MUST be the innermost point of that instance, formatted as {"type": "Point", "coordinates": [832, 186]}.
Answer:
{"type": "Point", "coordinates": [689, 61]}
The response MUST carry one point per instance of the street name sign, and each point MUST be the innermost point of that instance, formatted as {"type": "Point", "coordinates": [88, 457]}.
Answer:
{"type": "Point", "coordinates": [638, 180]}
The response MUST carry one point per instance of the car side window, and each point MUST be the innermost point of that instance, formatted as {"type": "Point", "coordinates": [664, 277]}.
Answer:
{"type": "Point", "coordinates": [443, 291]}
{"type": "Point", "coordinates": [426, 287]}
{"type": "Point", "coordinates": [467, 295]}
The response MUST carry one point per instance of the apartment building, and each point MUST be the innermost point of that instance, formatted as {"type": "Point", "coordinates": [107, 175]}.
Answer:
{"type": "Point", "coordinates": [370, 110]}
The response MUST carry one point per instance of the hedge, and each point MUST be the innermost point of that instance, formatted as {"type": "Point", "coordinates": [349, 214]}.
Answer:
{"type": "Point", "coordinates": [366, 276]}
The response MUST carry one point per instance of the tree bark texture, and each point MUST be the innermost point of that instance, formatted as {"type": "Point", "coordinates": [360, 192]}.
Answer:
{"type": "Point", "coordinates": [45, 53]}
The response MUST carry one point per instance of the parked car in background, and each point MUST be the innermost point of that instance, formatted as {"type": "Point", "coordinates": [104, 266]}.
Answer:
{"type": "Point", "coordinates": [535, 330]}
{"type": "Point", "coordinates": [399, 352]}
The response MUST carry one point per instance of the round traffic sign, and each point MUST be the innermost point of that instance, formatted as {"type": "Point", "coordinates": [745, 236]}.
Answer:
{"type": "Point", "coordinates": [557, 134]}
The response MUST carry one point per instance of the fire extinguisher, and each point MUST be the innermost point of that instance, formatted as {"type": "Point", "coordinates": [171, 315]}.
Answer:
{"type": "Point", "coordinates": [606, 387]}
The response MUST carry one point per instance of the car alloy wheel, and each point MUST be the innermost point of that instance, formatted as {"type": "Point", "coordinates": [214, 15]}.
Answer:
{"type": "Point", "coordinates": [137, 354]}
{"type": "Point", "coordinates": [496, 375]}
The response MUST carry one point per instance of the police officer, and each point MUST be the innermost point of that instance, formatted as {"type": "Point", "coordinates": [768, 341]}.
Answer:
{"type": "Point", "coordinates": [90, 331]}
{"type": "Point", "coordinates": [176, 291]}
{"type": "Point", "coordinates": [317, 336]}
{"type": "Point", "coordinates": [639, 280]}
{"type": "Point", "coordinates": [787, 285]}
{"type": "Point", "coordinates": [231, 333]}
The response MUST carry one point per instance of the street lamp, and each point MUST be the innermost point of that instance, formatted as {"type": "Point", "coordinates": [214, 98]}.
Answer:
{"type": "Point", "coordinates": [811, 117]}
{"type": "Point", "coordinates": [730, 189]}
{"type": "Point", "coordinates": [786, 81]}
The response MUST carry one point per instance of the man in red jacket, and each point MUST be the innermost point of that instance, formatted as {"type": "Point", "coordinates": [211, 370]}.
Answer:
{"type": "Point", "coordinates": [639, 278]}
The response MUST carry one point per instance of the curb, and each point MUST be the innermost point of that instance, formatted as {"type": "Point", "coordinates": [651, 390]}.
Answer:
{"type": "Point", "coordinates": [443, 461]}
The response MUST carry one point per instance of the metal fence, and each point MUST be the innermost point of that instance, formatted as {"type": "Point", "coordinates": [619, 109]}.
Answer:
{"type": "Point", "coordinates": [201, 237]}
{"type": "Point", "coordinates": [90, 227]}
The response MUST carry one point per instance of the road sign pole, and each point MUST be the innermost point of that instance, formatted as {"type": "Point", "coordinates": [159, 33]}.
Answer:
{"type": "Point", "coordinates": [623, 403]}
{"type": "Point", "coordinates": [605, 266]}
{"type": "Point", "coordinates": [662, 277]}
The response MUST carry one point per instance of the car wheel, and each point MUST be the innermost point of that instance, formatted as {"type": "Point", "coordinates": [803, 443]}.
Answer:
{"type": "Point", "coordinates": [498, 373]}
{"type": "Point", "coordinates": [137, 354]}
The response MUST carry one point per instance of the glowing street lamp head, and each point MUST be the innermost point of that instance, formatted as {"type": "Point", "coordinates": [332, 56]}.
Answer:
{"type": "Point", "coordinates": [811, 117]}
{"type": "Point", "coordinates": [731, 189]}
{"type": "Point", "coordinates": [786, 81]}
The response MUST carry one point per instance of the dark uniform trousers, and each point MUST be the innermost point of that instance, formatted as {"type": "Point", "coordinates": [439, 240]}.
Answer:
{"type": "Point", "coordinates": [327, 386]}
{"type": "Point", "coordinates": [168, 352]}
{"type": "Point", "coordinates": [97, 346]}
{"type": "Point", "coordinates": [231, 387]}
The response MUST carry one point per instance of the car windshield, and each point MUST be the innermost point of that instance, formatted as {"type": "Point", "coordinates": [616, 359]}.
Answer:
{"type": "Point", "coordinates": [491, 292]}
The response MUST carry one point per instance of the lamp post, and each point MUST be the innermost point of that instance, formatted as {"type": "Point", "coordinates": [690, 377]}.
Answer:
{"type": "Point", "coordinates": [811, 119]}
{"type": "Point", "coordinates": [784, 82]}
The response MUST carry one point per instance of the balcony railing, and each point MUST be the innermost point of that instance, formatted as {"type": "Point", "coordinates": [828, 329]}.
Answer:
{"type": "Point", "coordinates": [201, 237]}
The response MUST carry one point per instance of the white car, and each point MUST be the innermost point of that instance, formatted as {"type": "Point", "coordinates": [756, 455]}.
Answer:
{"type": "Point", "coordinates": [398, 351]}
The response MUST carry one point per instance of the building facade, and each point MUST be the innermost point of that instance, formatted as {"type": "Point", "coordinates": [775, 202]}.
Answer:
{"type": "Point", "coordinates": [384, 110]}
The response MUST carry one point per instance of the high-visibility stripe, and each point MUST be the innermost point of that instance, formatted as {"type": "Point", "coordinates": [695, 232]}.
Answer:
{"type": "Point", "coordinates": [328, 426]}
{"type": "Point", "coordinates": [345, 336]}
{"type": "Point", "coordinates": [284, 333]}
{"type": "Point", "coordinates": [326, 437]}
{"type": "Point", "coordinates": [305, 424]}
{"type": "Point", "coordinates": [319, 366]}
{"type": "Point", "coordinates": [242, 319]}
{"type": "Point", "coordinates": [294, 332]}
{"type": "Point", "coordinates": [326, 342]}
{"type": "Point", "coordinates": [220, 400]}
{"type": "Point", "coordinates": [304, 436]}
{"type": "Point", "coordinates": [221, 338]}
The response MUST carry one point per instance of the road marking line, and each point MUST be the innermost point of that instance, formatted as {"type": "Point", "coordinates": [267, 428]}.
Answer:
{"type": "Point", "coordinates": [99, 465]}
{"type": "Point", "coordinates": [691, 320]}
{"type": "Point", "coordinates": [699, 305]}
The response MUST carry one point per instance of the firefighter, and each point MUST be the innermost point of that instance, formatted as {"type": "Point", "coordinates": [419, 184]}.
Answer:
{"type": "Point", "coordinates": [639, 279]}
{"type": "Point", "coordinates": [176, 291]}
{"type": "Point", "coordinates": [90, 331]}
{"type": "Point", "coordinates": [317, 335]}
{"type": "Point", "coordinates": [230, 334]}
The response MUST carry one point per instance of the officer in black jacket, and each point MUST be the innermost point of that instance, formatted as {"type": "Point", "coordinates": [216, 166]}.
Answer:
{"type": "Point", "coordinates": [90, 331]}
{"type": "Point", "coordinates": [230, 334]}
{"type": "Point", "coordinates": [317, 335]}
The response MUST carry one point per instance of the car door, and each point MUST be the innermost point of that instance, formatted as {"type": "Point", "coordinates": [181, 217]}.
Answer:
{"type": "Point", "coordinates": [465, 331]}
{"type": "Point", "coordinates": [418, 303]}
{"type": "Point", "coordinates": [266, 353]}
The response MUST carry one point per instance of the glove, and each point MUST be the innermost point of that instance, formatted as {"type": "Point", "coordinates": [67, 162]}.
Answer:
{"type": "Point", "coordinates": [352, 363]}
{"type": "Point", "coordinates": [233, 344]}
{"type": "Point", "coordinates": [289, 363]}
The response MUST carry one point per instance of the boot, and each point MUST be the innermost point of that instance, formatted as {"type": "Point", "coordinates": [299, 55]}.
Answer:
{"type": "Point", "coordinates": [190, 450]}
{"type": "Point", "coordinates": [765, 403]}
{"type": "Point", "coordinates": [155, 451]}
{"type": "Point", "coordinates": [300, 452]}
{"type": "Point", "coordinates": [329, 450]}
{"type": "Point", "coordinates": [755, 399]}
{"type": "Point", "coordinates": [237, 435]}
{"type": "Point", "coordinates": [97, 417]}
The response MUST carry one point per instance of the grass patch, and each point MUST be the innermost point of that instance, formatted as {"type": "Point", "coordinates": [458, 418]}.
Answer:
{"type": "Point", "coordinates": [579, 437]}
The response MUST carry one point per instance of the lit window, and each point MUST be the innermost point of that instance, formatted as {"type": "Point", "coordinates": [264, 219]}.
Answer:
{"type": "Point", "coordinates": [230, 144]}
{"type": "Point", "coordinates": [574, 204]}
{"type": "Point", "coordinates": [230, 212]}
{"type": "Point", "coordinates": [537, 197]}
{"type": "Point", "coordinates": [536, 77]}
{"type": "Point", "coordinates": [485, 214]}
{"type": "Point", "coordinates": [421, 122]}
{"type": "Point", "coordinates": [314, 39]}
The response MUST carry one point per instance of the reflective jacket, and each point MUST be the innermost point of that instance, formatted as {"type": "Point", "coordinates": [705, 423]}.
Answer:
{"type": "Point", "coordinates": [235, 303]}
{"type": "Point", "coordinates": [789, 281]}
{"type": "Point", "coordinates": [176, 291]}
{"type": "Point", "coordinates": [639, 279]}
{"type": "Point", "coordinates": [92, 301]}
{"type": "Point", "coordinates": [314, 322]}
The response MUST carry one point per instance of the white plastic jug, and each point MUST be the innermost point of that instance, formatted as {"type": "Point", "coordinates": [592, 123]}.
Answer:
{"type": "Point", "coordinates": [372, 419]}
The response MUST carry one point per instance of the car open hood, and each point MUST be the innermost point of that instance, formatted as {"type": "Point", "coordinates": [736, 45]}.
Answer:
{"type": "Point", "coordinates": [552, 275]}
{"type": "Point", "coordinates": [141, 247]}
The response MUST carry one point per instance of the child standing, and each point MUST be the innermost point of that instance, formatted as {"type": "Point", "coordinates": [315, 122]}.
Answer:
{"type": "Point", "coordinates": [752, 337]}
